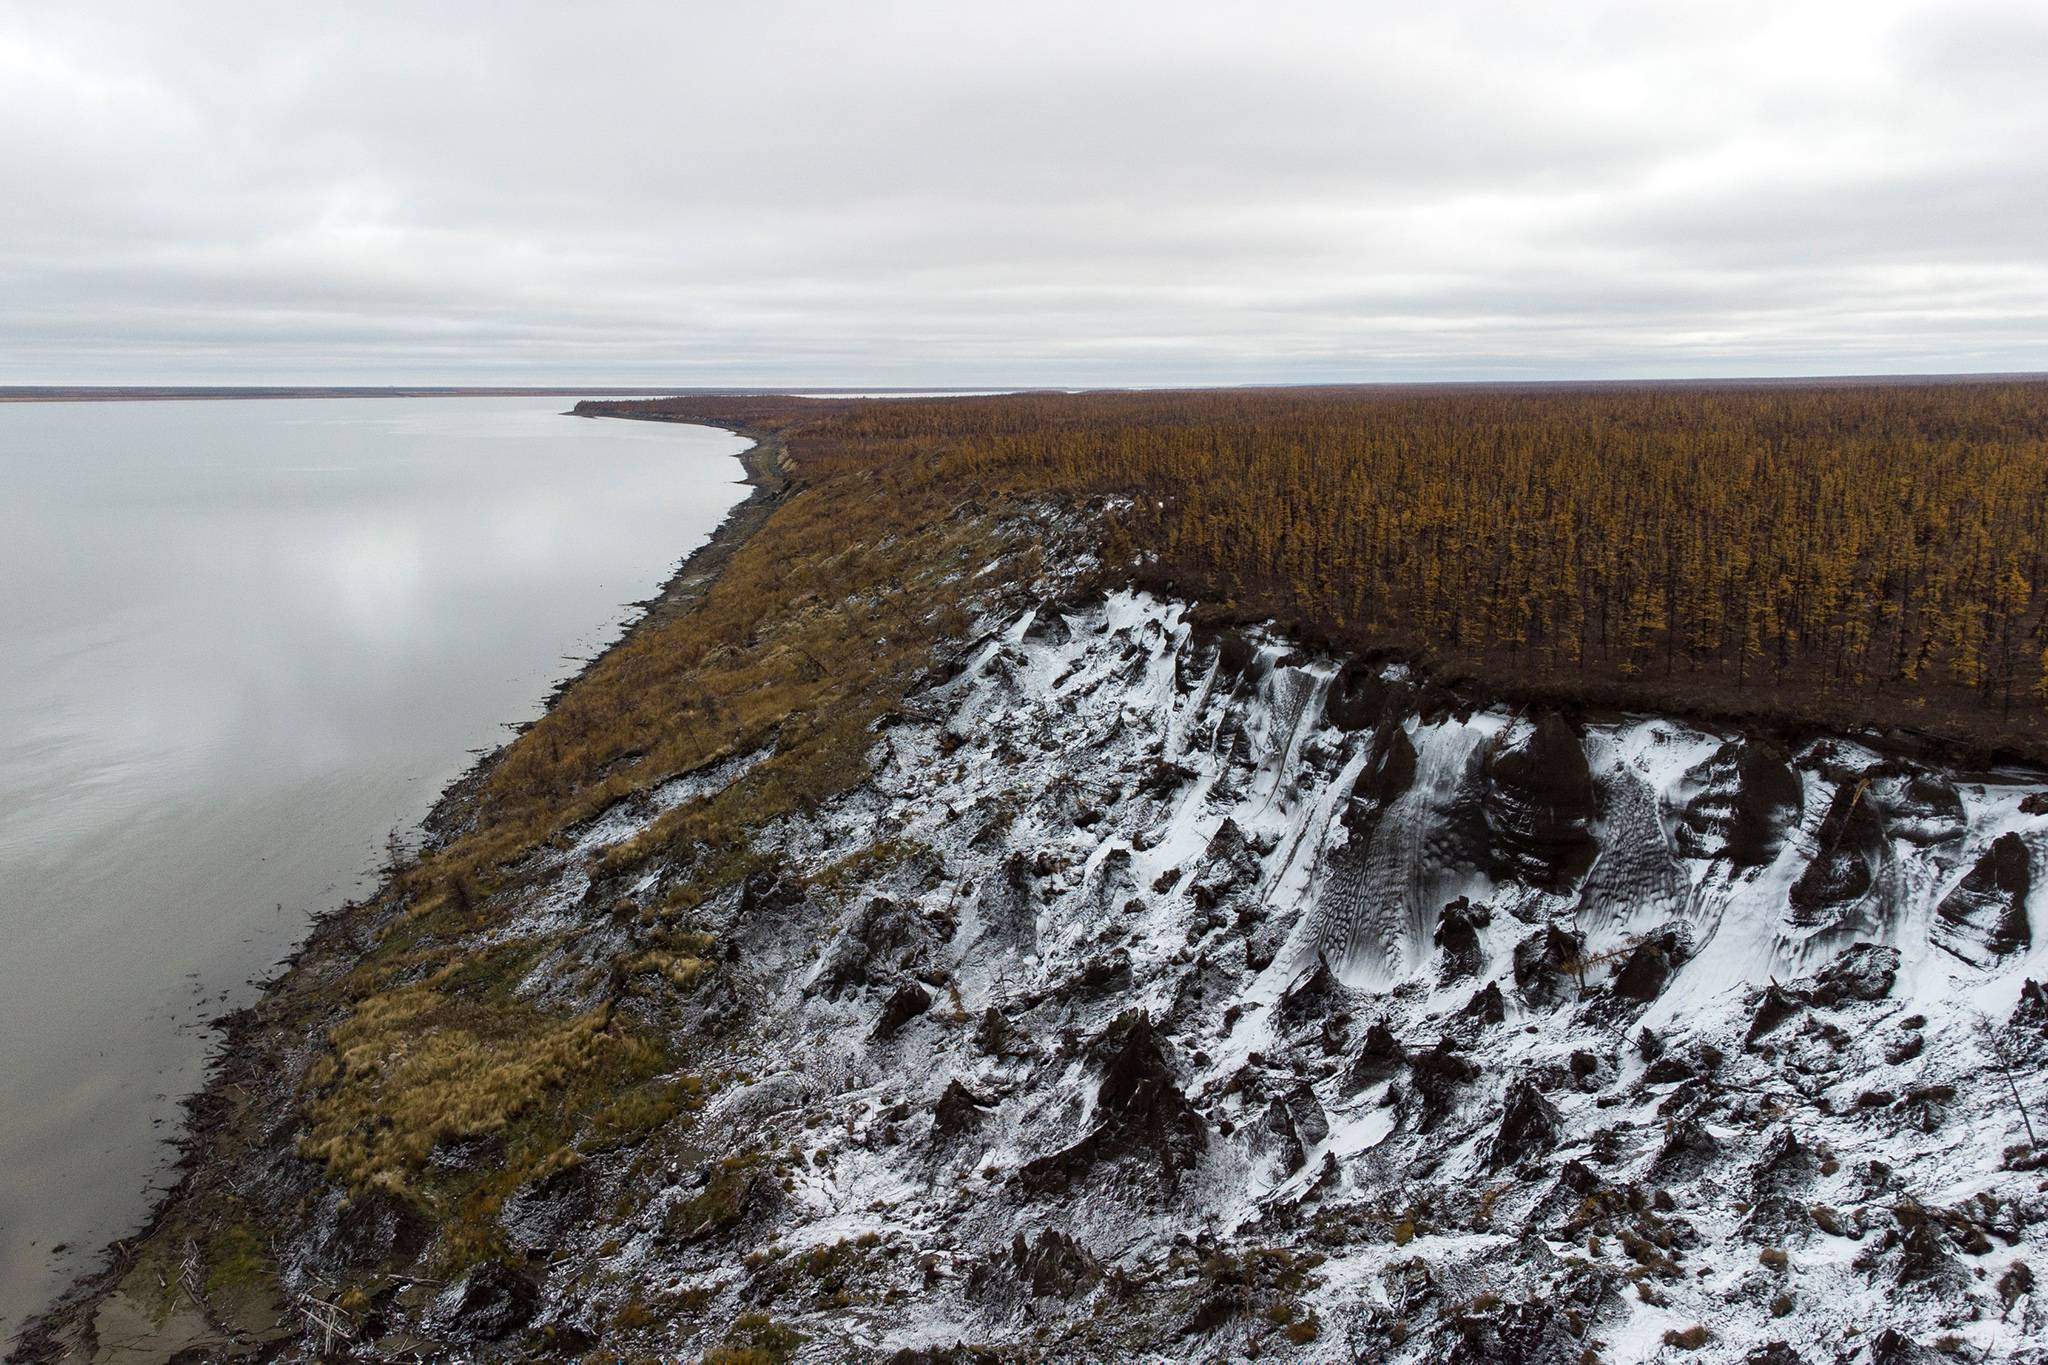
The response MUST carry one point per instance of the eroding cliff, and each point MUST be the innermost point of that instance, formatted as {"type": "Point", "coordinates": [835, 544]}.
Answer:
{"type": "Point", "coordinates": [1171, 994]}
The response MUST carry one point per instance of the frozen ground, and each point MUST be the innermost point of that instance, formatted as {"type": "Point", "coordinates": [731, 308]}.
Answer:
{"type": "Point", "coordinates": [1169, 995]}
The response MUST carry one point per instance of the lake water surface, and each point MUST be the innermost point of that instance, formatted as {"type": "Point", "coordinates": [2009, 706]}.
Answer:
{"type": "Point", "coordinates": [241, 643]}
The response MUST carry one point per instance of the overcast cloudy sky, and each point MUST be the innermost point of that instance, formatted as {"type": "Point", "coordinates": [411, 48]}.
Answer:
{"type": "Point", "coordinates": [965, 193]}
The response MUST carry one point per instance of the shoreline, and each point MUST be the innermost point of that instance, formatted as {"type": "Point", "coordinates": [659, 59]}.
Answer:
{"type": "Point", "coordinates": [239, 1054]}
{"type": "Point", "coordinates": [60, 394]}
{"type": "Point", "coordinates": [86, 393]}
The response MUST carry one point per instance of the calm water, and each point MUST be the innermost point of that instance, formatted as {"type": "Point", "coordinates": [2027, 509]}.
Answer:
{"type": "Point", "coordinates": [240, 643]}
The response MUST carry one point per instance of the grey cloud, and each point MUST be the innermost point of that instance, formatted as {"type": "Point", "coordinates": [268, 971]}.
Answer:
{"type": "Point", "coordinates": [1056, 192]}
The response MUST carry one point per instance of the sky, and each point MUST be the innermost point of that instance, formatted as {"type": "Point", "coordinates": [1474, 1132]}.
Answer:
{"type": "Point", "coordinates": [962, 193]}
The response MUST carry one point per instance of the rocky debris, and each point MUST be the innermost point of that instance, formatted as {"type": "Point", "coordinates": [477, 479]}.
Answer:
{"type": "Point", "coordinates": [1487, 1005]}
{"type": "Point", "coordinates": [1687, 1149]}
{"type": "Point", "coordinates": [1917, 805]}
{"type": "Point", "coordinates": [1436, 1076]}
{"type": "Point", "coordinates": [1985, 917]}
{"type": "Point", "coordinates": [1311, 998]}
{"type": "Point", "coordinates": [1048, 627]}
{"type": "Point", "coordinates": [882, 941]}
{"type": "Point", "coordinates": [1291, 1126]}
{"type": "Point", "coordinates": [489, 1302]}
{"type": "Point", "coordinates": [908, 1001]}
{"type": "Point", "coordinates": [1140, 1109]}
{"type": "Point", "coordinates": [1847, 851]}
{"type": "Point", "coordinates": [1537, 802]}
{"type": "Point", "coordinates": [2030, 1012]}
{"type": "Point", "coordinates": [1740, 801]}
{"type": "Point", "coordinates": [1388, 773]}
{"type": "Point", "coordinates": [1864, 973]}
{"type": "Point", "coordinates": [1228, 864]}
{"type": "Point", "coordinates": [1380, 1058]}
{"type": "Point", "coordinates": [1052, 1266]}
{"type": "Point", "coordinates": [958, 1111]}
{"type": "Point", "coordinates": [1357, 698]}
{"type": "Point", "coordinates": [1457, 934]}
{"type": "Point", "coordinates": [1650, 965]}
{"type": "Point", "coordinates": [1774, 1004]}
{"type": "Point", "coordinates": [1548, 964]}
{"type": "Point", "coordinates": [1529, 1127]}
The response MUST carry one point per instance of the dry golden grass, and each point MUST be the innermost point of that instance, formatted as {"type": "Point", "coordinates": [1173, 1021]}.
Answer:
{"type": "Point", "coordinates": [816, 629]}
{"type": "Point", "coordinates": [411, 1069]}
{"type": "Point", "coordinates": [812, 633]}
{"type": "Point", "coordinates": [679, 970]}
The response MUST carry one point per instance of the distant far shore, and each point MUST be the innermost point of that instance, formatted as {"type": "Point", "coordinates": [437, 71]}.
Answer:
{"type": "Point", "coordinates": [117, 393]}
{"type": "Point", "coordinates": [147, 393]}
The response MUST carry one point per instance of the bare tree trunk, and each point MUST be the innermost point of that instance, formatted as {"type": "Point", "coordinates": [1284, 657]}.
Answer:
{"type": "Point", "coordinates": [2021, 1104]}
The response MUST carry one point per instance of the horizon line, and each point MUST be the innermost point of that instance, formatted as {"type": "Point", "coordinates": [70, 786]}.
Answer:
{"type": "Point", "coordinates": [143, 391]}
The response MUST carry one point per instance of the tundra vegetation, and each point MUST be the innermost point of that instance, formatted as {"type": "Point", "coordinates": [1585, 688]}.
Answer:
{"type": "Point", "coordinates": [1849, 551]}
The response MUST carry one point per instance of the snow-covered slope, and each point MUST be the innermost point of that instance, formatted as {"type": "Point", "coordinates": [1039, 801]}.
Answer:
{"type": "Point", "coordinates": [1170, 996]}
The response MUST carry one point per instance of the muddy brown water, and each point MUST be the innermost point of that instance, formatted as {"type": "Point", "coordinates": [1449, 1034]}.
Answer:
{"type": "Point", "coordinates": [240, 644]}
